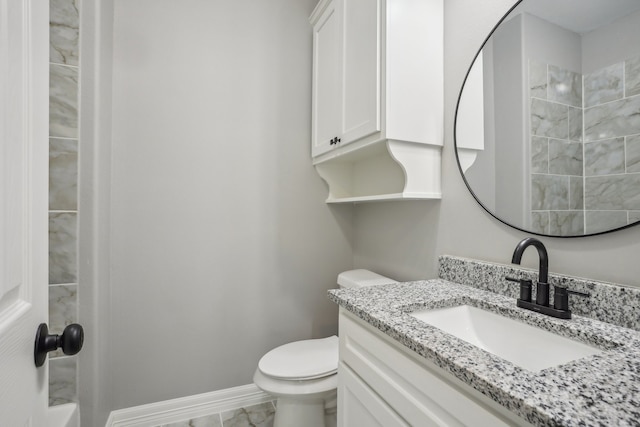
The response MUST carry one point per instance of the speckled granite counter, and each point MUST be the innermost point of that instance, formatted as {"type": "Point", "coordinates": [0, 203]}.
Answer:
{"type": "Point", "coordinates": [599, 390]}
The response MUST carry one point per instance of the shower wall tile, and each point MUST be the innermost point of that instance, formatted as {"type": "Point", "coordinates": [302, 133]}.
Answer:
{"type": "Point", "coordinates": [603, 85]}
{"type": "Point", "coordinates": [565, 86]}
{"type": "Point", "coordinates": [63, 310]}
{"type": "Point", "coordinates": [632, 76]}
{"type": "Point", "coordinates": [634, 216]}
{"type": "Point", "coordinates": [613, 192]}
{"type": "Point", "coordinates": [549, 119]}
{"type": "Point", "coordinates": [62, 247]}
{"type": "Point", "coordinates": [604, 157]}
{"type": "Point", "coordinates": [540, 222]}
{"type": "Point", "coordinates": [549, 192]}
{"type": "Point", "coordinates": [565, 158]}
{"type": "Point", "coordinates": [633, 153]}
{"type": "Point", "coordinates": [63, 31]}
{"type": "Point", "coordinates": [566, 223]}
{"type": "Point", "coordinates": [254, 416]}
{"type": "Point", "coordinates": [63, 101]}
{"type": "Point", "coordinates": [63, 174]}
{"type": "Point", "coordinates": [576, 193]}
{"type": "Point", "coordinates": [539, 155]}
{"type": "Point", "coordinates": [62, 381]}
{"type": "Point", "coordinates": [64, 37]}
{"type": "Point", "coordinates": [612, 120]}
{"type": "Point", "coordinates": [575, 124]}
{"type": "Point", "coordinates": [537, 80]}
{"type": "Point", "coordinates": [599, 221]}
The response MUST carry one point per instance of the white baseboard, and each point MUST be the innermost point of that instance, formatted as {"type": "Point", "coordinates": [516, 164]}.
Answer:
{"type": "Point", "coordinates": [184, 408]}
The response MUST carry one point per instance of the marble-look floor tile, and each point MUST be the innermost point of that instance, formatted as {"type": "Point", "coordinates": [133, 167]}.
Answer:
{"type": "Point", "coordinates": [254, 416]}
{"type": "Point", "coordinates": [63, 31]}
{"type": "Point", "coordinates": [566, 223]}
{"type": "Point", "coordinates": [62, 380]}
{"type": "Point", "coordinates": [633, 153]}
{"type": "Point", "coordinates": [599, 221]}
{"type": "Point", "coordinates": [632, 76]}
{"type": "Point", "coordinates": [537, 79]}
{"type": "Point", "coordinates": [63, 174]}
{"type": "Point", "coordinates": [565, 86]}
{"type": "Point", "coordinates": [612, 120]}
{"type": "Point", "coordinates": [613, 192]}
{"type": "Point", "coordinates": [604, 157]}
{"type": "Point", "coordinates": [539, 155]}
{"type": "Point", "coordinates": [206, 421]}
{"type": "Point", "coordinates": [63, 101]}
{"type": "Point", "coordinates": [549, 192]}
{"type": "Point", "coordinates": [603, 85]}
{"type": "Point", "coordinates": [63, 310]}
{"type": "Point", "coordinates": [565, 158]}
{"type": "Point", "coordinates": [549, 119]}
{"type": "Point", "coordinates": [62, 247]}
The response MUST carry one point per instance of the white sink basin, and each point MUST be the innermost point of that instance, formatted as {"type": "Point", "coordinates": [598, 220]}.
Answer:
{"type": "Point", "coordinates": [530, 348]}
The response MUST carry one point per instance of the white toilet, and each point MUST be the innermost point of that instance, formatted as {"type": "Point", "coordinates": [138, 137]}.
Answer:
{"type": "Point", "coordinates": [302, 374]}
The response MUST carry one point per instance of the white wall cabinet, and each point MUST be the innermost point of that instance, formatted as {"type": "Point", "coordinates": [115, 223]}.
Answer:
{"type": "Point", "coordinates": [378, 98]}
{"type": "Point", "coordinates": [381, 380]}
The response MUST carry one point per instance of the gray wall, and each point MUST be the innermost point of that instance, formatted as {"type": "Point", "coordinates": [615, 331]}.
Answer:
{"type": "Point", "coordinates": [221, 245]}
{"type": "Point", "coordinates": [403, 239]}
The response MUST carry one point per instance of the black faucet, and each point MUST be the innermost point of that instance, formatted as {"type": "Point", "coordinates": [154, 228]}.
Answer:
{"type": "Point", "coordinates": [560, 307]}
{"type": "Point", "coordinates": [542, 290]}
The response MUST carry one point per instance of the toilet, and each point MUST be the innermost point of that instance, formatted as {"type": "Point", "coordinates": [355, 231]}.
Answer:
{"type": "Point", "coordinates": [302, 375]}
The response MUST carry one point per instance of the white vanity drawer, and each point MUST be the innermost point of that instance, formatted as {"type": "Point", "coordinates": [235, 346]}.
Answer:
{"type": "Point", "coordinates": [419, 391]}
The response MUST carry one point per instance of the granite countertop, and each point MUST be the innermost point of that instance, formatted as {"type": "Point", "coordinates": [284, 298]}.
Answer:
{"type": "Point", "coordinates": [598, 390]}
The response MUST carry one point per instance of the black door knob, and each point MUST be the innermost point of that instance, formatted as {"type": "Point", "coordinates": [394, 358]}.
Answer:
{"type": "Point", "coordinates": [70, 341]}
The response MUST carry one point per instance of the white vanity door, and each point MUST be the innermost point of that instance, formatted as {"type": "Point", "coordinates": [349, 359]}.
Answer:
{"type": "Point", "coordinates": [361, 406]}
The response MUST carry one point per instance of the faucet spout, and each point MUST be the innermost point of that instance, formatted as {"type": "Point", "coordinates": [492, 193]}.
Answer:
{"type": "Point", "coordinates": [543, 273]}
{"type": "Point", "coordinates": [542, 288]}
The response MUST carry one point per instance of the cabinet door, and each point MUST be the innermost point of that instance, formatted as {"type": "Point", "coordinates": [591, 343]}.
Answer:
{"type": "Point", "coordinates": [327, 79]}
{"type": "Point", "coordinates": [358, 405]}
{"type": "Point", "coordinates": [361, 69]}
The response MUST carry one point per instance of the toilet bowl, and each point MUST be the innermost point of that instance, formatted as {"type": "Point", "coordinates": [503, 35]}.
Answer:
{"type": "Point", "coordinates": [302, 375]}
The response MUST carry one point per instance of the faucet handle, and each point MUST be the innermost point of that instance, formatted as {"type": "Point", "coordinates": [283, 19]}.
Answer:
{"type": "Point", "coordinates": [561, 297]}
{"type": "Point", "coordinates": [525, 287]}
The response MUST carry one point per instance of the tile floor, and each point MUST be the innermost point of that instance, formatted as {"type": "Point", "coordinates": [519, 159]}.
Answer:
{"type": "Point", "coordinates": [253, 416]}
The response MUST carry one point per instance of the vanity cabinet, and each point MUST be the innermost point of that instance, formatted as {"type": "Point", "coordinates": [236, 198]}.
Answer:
{"type": "Point", "coordinates": [377, 98]}
{"type": "Point", "coordinates": [387, 384]}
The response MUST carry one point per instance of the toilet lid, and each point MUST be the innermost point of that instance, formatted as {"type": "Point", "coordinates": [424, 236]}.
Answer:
{"type": "Point", "coordinates": [302, 360]}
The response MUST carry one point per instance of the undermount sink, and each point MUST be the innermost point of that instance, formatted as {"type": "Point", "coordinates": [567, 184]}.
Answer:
{"type": "Point", "coordinates": [526, 346]}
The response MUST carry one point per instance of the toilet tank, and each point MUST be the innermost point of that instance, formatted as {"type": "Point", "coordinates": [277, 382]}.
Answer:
{"type": "Point", "coordinates": [361, 278]}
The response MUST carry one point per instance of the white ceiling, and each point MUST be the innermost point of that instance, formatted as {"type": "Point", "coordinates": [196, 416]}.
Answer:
{"type": "Point", "coordinates": [580, 16]}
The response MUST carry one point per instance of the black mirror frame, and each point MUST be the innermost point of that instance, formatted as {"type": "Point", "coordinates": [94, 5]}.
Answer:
{"type": "Point", "coordinates": [455, 146]}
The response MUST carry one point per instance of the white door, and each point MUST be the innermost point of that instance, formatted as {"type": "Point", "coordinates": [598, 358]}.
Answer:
{"type": "Point", "coordinates": [24, 88]}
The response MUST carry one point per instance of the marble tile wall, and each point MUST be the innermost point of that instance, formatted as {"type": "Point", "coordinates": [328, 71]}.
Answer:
{"type": "Point", "coordinates": [557, 160]}
{"type": "Point", "coordinates": [585, 148]}
{"type": "Point", "coordinates": [63, 190]}
{"type": "Point", "coordinates": [611, 152]}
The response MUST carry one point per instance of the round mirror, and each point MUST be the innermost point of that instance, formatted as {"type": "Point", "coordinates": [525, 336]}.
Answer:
{"type": "Point", "coordinates": [547, 127]}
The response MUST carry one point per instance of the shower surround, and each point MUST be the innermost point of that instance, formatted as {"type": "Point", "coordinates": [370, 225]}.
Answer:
{"type": "Point", "coordinates": [63, 190]}
{"type": "Point", "coordinates": [585, 148]}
